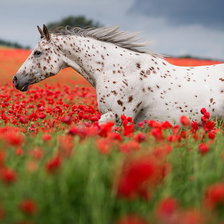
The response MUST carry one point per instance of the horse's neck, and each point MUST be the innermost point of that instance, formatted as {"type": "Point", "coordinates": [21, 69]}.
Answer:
{"type": "Point", "coordinates": [94, 59]}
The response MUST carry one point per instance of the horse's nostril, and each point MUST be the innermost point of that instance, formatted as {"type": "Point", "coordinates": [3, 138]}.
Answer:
{"type": "Point", "coordinates": [14, 80]}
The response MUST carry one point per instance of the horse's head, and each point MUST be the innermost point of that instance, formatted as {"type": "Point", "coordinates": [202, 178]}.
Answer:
{"type": "Point", "coordinates": [44, 61]}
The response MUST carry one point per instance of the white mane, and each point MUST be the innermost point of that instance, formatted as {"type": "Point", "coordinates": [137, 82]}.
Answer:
{"type": "Point", "coordinates": [108, 34]}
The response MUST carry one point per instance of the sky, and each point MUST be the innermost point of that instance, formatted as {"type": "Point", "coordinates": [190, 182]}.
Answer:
{"type": "Point", "coordinates": [174, 27]}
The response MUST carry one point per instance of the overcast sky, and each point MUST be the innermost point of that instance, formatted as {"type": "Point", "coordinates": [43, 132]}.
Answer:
{"type": "Point", "coordinates": [175, 27]}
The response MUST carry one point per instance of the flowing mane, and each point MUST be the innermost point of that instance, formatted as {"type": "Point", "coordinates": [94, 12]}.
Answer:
{"type": "Point", "coordinates": [108, 34]}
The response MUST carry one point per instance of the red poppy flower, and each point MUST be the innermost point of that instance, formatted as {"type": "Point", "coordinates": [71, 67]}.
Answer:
{"type": "Point", "coordinates": [185, 121]}
{"type": "Point", "coordinates": [66, 120]}
{"type": "Point", "coordinates": [131, 219]}
{"type": "Point", "coordinates": [203, 111]}
{"type": "Point", "coordinates": [134, 176]}
{"type": "Point", "coordinates": [166, 208]}
{"type": "Point", "coordinates": [214, 195]}
{"type": "Point", "coordinates": [14, 138]}
{"type": "Point", "coordinates": [203, 148]}
{"type": "Point", "coordinates": [28, 207]}
{"type": "Point", "coordinates": [54, 164]}
{"type": "Point", "coordinates": [46, 137]}
{"type": "Point", "coordinates": [8, 176]}
{"type": "Point", "coordinates": [140, 137]}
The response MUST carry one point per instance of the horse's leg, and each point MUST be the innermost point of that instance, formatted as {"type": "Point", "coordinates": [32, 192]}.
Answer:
{"type": "Point", "coordinates": [109, 116]}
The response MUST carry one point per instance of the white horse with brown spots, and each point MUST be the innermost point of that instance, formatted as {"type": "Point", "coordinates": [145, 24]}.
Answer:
{"type": "Point", "coordinates": [128, 79]}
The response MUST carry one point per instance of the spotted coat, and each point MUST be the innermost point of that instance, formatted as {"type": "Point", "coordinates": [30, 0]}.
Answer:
{"type": "Point", "coordinates": [140, 85]}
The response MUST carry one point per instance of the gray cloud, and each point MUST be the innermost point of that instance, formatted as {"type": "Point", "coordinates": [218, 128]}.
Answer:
{"type": "Point", "coordinates": [18, 20]}
{"type": "Point", "coordinates": [208, 13]}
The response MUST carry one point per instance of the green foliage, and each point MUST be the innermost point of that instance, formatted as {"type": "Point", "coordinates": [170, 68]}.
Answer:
{"type": "Point", "coordinates": [74, 21]}
{"type": "Point", "coordinates": [81, 190]}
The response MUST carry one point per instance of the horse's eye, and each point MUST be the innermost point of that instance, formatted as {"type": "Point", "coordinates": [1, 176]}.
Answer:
{"type": "Point", "coordinates": [37, 53]}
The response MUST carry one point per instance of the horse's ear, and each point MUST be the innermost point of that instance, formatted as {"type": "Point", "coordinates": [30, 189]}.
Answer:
{"type": "Point", "coordinates": [46, 33]}
{"type": "Point", "coordinates": [41, 32]}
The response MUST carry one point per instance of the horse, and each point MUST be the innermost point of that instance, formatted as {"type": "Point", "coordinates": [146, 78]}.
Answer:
{"type": "Point", "coordinates": [129, 79]}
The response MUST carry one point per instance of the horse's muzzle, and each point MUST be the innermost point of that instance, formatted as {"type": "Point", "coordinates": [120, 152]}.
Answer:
{"type": "Point", "coordinates": [23, 87]}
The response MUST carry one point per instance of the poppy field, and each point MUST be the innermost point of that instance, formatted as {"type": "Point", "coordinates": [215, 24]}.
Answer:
{"type": "Point", "coordinates": [58, 165]}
